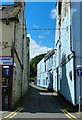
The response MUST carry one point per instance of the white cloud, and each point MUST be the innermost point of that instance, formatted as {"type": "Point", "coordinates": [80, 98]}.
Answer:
{"type": "Point", "coordinates": [35, 26]}
{"type": "Point", "coordinates": [53, 13]}
{"type": "Point", "coordinates": [28, 35]}
{"type": "Point", "coordinates": [36, 49]}
{"type": "Point", "coordinates": [41, 37]}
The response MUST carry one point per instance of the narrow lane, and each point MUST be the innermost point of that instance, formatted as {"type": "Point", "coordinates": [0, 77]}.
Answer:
{"type": "Point", "coordinates": [41, 101]}
{"type": "Point", "coordinates": [43, 104]}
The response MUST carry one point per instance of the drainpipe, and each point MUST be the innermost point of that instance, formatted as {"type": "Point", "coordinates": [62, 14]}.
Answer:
{"type": "Point", "coordinates": [22, 53]}
{"type": "Point", "coordinates": [73, 56]}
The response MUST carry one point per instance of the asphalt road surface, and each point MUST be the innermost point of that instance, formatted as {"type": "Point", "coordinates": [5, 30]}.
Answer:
{"type": "Point", "coordinates": [40, 104]}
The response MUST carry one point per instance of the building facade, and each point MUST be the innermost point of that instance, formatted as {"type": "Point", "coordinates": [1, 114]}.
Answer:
{"type": "Point", "coordinates": [15, 54]}
{"type": "Point", "coordinates": [41, 74]}
{"type": "Point", "coordinates": [68, 51]}
{"type": "Point", "coordinates": [49, 62]}
{"type": "Point", "coordinates": [45, 71]}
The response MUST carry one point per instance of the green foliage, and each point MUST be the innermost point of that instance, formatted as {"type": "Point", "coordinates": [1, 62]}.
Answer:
{"type": "Point", "coordinates": [70, 75]}
{"type": "Point", "coordinates": [33, 65]}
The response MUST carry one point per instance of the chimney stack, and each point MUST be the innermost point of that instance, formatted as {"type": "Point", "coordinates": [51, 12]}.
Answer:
{"type": "Point", "coordinates": [19, 2]}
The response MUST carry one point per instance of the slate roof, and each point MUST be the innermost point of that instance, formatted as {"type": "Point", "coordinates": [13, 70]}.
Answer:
{"type": "Point", "coordinates": [49, 54]}
{"type": "Point", "coordinates": [9, 11]}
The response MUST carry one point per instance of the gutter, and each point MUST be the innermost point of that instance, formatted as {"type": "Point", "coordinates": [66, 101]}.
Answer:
{"type": "Point", "coordinates": [48, 55]}
{"type": "Point", "coordinates": [73, 57]}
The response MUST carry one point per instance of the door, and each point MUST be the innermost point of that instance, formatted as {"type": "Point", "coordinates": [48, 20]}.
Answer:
{"type": "Point", "coordinates": [4, 93]}
{"type": "Point", "coordinates": [57, 80]}
{"type": "Point", "coordinates": [50, 85]}
{"type": "Point", "coordinates": [6, 87]}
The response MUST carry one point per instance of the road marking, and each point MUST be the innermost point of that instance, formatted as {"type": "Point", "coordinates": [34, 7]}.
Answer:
{"type": "Point", "coordinates": [66, 114]}
{"type": "Point", "coordinates": [11, 115]}
{"type": "Point", "coordinates": [15, 113]}
{"type": "Point", "coordinates": [69, 115]}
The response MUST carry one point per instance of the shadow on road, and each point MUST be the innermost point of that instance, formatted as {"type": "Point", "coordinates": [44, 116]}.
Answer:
{"type": "Point", "coordinates": [42, 101]}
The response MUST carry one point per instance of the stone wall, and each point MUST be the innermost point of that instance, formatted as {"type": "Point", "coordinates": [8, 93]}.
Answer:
{"type": "Point", "coordinates": [7, 38]}
{"type": "Point", "coordinates": [21, 60]}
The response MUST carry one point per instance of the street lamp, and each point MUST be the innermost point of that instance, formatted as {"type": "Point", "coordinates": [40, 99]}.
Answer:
{"type": "Point", "coordinates": [79, 73]}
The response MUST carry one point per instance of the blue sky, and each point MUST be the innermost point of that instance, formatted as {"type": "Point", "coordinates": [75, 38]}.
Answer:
{"type": "Point", "coordinates": [40, 23]}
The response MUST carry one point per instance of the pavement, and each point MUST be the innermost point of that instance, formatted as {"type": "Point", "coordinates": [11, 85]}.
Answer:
{"type": "Point", "coordinates": [41, 104]}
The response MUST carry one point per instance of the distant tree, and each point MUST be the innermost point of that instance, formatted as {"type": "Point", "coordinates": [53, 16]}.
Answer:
{"type": "Point", "coordinates": [33, 66]}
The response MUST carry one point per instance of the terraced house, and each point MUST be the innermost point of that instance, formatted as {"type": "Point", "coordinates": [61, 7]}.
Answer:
{"type": "Point", "coordinates": [67, 53]}
{"type": "Point", "coordinates": [68, 50]}
{"type": "Point", "coordinates": [45, 71]}
{"type": "Point", "coordinates": [14, 60]}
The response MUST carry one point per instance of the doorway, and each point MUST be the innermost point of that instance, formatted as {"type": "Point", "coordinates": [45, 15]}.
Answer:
{"type": "Point", "coordinates": [6, 87]}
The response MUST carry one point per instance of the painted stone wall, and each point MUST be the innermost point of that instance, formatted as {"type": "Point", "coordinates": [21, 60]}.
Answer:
{"type": "Point", "coordinates": [41, 73]}
{"type": "Point", "coordinates": [64, 75]}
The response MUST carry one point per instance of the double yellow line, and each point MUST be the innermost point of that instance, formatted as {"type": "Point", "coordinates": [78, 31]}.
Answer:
{"type": "Point", "coordinates": [69, 115]}
{"type": "Point", "coordinates": [11, 115]}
